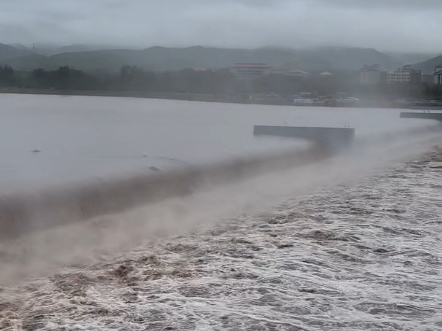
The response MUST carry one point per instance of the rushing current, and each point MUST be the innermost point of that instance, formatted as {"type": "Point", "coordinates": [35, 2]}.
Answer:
{"type": "Point", "coordinates": [352, 244]}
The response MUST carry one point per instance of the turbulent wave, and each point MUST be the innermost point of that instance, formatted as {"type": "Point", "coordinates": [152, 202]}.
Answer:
{"type": "Point", "coordinates": [356, 247]}
{"type": "Point", "coordinates": [26, 213]}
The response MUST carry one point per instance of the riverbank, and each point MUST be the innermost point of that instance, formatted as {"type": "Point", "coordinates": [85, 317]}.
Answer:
{"type": "Point", "coordinates": [127, 94]}
{"type": "Point", "coordinates": [237, 99]}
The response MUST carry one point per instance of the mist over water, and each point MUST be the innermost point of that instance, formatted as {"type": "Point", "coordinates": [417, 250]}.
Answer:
{"type": "Point", "coordinates": [76, 138]}
{"type": "Point", "coordinates": [299, 249]}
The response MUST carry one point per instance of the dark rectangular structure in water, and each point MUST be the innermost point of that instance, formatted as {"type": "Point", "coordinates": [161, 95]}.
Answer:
{"type": "Point", "coordinates": [332, 137]}
{"type": "Point", "coordinates": [426, 116]}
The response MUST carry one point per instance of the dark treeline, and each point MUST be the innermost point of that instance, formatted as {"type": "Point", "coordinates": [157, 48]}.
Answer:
{"type": "Point", "coordinates": [130, 78]}
{"type": "Point", "coordinates": [183, 81]}
{"type": "Point", "coordinates": [63, 78]}
{"type": "Point", "coordinates": [215, 82]}
{"type": "Point", "coordinates": [7, 77]}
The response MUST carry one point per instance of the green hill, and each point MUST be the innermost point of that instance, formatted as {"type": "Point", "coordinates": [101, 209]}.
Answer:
{"type": "Point", "coordinates": [353, 58]}
{"type": "Point", "coordinates": [429, 65]}
{"type": "Point", "coordinates": [410, 58]}
{"type": "Point", "coordinates": [9, 52]}
{"type": "Point", "coordinates": [163, 58]}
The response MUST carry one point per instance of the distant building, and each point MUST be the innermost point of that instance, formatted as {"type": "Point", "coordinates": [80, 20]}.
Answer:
{"type": "Point", "coordinates": [370, 75]}
{"type": "Point", "coordinates": [438, 75]}
{"type": "Point", "coordinates": [245, 73]}
{"type": "Point", "coordinates": [398, 77]}
{"type": "Point", "coordinates": [249, 71]}
{"type": "Point", "coordinates": [405, 75]}
{"type": "Point", "coordinates": [291, 73]}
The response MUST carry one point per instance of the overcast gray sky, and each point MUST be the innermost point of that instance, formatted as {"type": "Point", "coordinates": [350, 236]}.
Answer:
{"type": "Point", "coordinates": [403, 25]}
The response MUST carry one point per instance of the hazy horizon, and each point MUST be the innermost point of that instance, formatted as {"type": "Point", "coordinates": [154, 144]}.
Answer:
{"type": "Point", "coordinates": [98, 46]}
{"type": "Point", "coordinates": [399, 26]}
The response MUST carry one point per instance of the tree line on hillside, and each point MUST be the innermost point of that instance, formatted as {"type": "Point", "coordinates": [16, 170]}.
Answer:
{"type": "Point", "coordinates": [216, 82]}
{"type": "Point", "coordinates": [7, 77]}
{"type": "Point", "coordinates": [130, 78]}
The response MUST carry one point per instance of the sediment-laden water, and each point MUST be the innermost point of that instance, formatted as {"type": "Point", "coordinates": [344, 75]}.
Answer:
{"type": "Point", "coordinates": [51, 140]}
{"type": "Point", "coordinates": [360, 256]}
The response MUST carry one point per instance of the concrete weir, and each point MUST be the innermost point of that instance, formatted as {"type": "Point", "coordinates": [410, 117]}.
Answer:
{"type": "Point", "coordinates": [327, 136]}
{"type": "Point", "coordinates": [21, 214]}
{"type": "Point", "coordinates": [426, 116]}
{"type": "Point", "coordinates": [25, 213]}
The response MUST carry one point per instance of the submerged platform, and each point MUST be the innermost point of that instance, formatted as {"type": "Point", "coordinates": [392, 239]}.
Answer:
{"type": "Point", "coordinates": [426, 116]}
{"type": "Point", "coordinates": [328, 136]}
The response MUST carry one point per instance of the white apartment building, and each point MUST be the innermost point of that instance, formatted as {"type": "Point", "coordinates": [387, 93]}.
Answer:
{"type": "Point", "coordinates": [405, 75]}
{"type": "Point", "coordinates": [250, 70]}
{"type": "Point", "coordinates": [398, 77]}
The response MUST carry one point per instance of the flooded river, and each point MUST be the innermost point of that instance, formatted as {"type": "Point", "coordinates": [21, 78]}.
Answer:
{"type": "Point", "coordinates": [54, 139]}
{"type": "Point", "coordinates": [353, 243]}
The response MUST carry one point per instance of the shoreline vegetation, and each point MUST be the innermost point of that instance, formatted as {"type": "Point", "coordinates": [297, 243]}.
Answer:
{"type": "Point", "coordinates": [253, 100]}
{"type": "Point", "coordinates": [220, 86]}
{"type": "Point", "coordinates": [104, 93]}
{"type": "Point", "coordinates": [156, 95]}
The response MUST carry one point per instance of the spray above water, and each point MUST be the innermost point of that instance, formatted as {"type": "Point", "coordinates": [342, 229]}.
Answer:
{"type": "Point", "coordinates": [140, 208]}
{"type": "Point", "coordinates": [27, 213]}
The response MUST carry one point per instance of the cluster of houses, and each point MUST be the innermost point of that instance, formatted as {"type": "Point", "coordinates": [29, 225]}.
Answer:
{"type": "Point", "coordinates": [245, 72]}
{"type": "Point", "coordinates": [368, 75]}
{"type": "Point", "coordinates": [249, 71]}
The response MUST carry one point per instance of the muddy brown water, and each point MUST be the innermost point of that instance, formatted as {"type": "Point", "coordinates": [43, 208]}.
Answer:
{"type": "Point", "coordinates": [90, 137]}
{"type": "Point", "coordinates": [362, 256]}
{"type": "Point", "coordinates": [356, 254]}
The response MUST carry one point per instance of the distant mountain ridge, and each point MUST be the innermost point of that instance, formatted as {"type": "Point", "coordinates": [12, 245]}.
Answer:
{"type": "Point", "coordinates": [163, 58]}
{"type": "Point", "coordinates": [352, 58]}
{"type": "Point", "coordinates": [9, 52]}
{"type": "Point", "coordinates": [429, 65]}
{"type": "Point", "coordinates": [411, 58]}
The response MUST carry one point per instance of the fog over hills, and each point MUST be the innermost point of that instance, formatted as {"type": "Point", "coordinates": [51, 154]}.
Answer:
{"type": "Point", "coordinates": [9, 52]}
{"type": "Point", "coordinates": [429, 65]}
{"type": "Point", "coordinates": [164, 35]}
{"type": "Point", "coordinates": [393, 25]}
{"type": "Point", "coordinates": [89, 58]}
{"type": "Point", "coordinates": [412, 58]}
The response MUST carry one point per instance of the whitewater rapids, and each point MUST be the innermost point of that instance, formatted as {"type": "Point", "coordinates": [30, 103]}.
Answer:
{"type": "Point", "coordinates": [364, 255]}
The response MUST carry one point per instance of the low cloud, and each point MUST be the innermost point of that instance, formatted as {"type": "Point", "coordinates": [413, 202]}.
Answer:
{"type": "Point", "coordinates": [401, 25]}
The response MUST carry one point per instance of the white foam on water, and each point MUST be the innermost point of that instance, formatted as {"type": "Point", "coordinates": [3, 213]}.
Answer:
{"type": "Point", "coordinates": [353, 247]}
